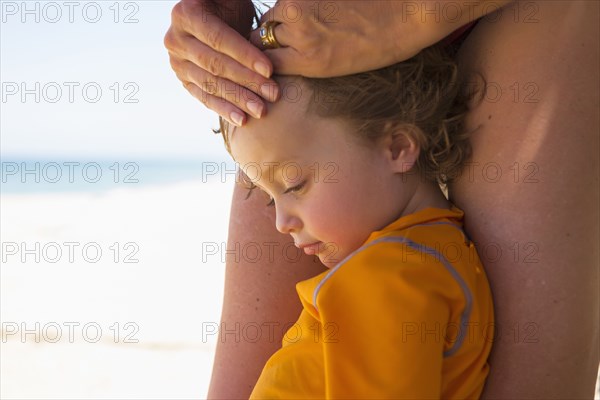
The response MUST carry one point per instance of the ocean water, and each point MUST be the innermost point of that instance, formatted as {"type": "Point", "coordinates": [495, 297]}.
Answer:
{"type": "Point", "coordinates": [31, 175]}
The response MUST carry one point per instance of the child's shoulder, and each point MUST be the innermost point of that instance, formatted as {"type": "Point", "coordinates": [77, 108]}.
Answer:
{"type": "Point", "coordinates": [428, 232]}
{"type": "Point", "coordinates": [393, 268]}
{"type": "Point", "coordinates": [418, 251]}
{"type": "Point", "coordinates": [428, 251]}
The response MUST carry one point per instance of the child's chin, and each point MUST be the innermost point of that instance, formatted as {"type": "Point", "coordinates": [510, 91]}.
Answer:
{"type": "Point", "coordinates": [328, 261]}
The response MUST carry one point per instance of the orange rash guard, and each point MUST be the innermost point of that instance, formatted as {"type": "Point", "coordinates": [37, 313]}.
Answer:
{"type": "Point", "coordinates": [407, 315]}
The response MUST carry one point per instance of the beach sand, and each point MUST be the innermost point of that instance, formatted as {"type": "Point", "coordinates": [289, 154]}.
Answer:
{"type": "Point", "coordinates": [127, 329]}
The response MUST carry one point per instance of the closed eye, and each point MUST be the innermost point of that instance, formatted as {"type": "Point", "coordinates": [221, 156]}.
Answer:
{"type": "Point", "coordinates": [296, 188]}
{"type": "Point", "coordinates": [293, 189]}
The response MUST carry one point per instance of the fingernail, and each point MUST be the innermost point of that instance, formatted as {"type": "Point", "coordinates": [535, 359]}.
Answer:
{"type": "Point", "coordinates": [269, 91]}
{"type": "Point", "coordinates": [255, 108]}
{"type": "Point", "coordinates": [262, 69]}
{"type": "Point", "coordinates": [236, 118]}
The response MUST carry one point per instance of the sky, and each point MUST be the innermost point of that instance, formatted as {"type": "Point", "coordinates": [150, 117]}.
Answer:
{"type": "Point", "coordinates": [92, 79]}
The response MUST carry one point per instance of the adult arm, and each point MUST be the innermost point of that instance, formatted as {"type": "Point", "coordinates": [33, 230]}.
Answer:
{"type": "Point", "coordinates": [322, 38]}
{"type": "Point", "coordinates": [260, 290]}
{"type": "Point", "coordinates": [333, 38]}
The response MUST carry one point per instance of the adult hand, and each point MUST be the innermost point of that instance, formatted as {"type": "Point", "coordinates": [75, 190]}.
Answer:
{"type": "Point", "coordinates": [334, 38]}
{"type": "Point", "coordinates": [210, 54]}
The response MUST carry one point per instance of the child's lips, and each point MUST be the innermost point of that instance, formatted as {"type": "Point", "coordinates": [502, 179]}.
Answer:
{"type": "Point", "coordinates": [310, 248]}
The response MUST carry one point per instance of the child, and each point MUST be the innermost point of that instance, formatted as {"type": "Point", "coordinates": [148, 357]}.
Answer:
{"type": "Point", "coordinates": [353, 166]}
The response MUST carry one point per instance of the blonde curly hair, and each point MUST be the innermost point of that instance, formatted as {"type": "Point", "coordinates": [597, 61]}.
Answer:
{"type": "Point", "coordinates": [424, 96]}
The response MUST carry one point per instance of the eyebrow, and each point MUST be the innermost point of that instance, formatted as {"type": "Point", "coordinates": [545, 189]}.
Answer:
{"type": "Point", "coordinates": [278, 166]}
{"type": "Point", "coordinates": [285, 191]}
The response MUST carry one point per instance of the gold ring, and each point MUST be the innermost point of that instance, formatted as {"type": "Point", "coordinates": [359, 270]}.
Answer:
{"type": "Point", "coordinates": [267, 36]}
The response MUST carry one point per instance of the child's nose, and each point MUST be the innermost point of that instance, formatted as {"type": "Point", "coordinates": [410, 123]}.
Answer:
{"type": "Point", "coordinates": [286, 222]}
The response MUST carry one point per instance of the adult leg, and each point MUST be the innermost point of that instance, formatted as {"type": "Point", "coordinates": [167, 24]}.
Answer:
{"type": "Point", "coordinates": [531, 194]}
{"type": "Point", "coordinates": [262, 269]}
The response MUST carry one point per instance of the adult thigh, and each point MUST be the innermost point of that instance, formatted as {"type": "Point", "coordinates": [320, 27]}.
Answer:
{"type": "Point", "coordinates": [260, 300]}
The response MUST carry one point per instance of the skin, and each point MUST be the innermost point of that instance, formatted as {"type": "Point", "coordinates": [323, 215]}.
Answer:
{"type": "Point", "coordinates": [553, 45]}
{"type": "Point", "coordinates": [546, 297]}
{"type": "Point", "coordinates": [213, 60]}
{"type": "Point", "coordinates": [315, 190]}
{"type": "Point", "coordinates": [229, 76]}
{"type": "Point", "coordinates": [555, 353]}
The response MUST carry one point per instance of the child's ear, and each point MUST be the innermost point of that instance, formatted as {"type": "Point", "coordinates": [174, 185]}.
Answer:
{"type": "Point", "coordinates": [402, 149]}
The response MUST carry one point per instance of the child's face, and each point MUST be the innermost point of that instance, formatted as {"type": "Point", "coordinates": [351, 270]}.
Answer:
{"type": "Point", "coordinates": [327, 188]}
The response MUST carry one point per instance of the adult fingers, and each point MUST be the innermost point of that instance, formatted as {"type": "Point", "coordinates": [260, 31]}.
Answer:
{"type": "Point", "coordinates": [198, 20]}
{"type": "Point", "coordinates": [301, 51]}
{"type": "Point", "coordinates": [288, 61]}
{"type": "Point", "coordinates": [287, 12]}
{"type": "Point", "coordinates": [241, 99]}
{"type": "Point", "coordinates": [226, 110]}
{"type": "Point", "coordinates": [222, 66]}
{"type": "Point", "coordinates": [281, 32]}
